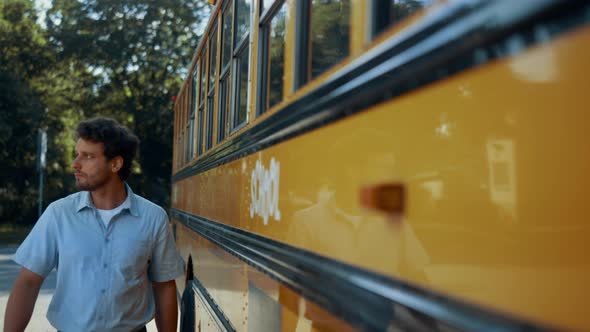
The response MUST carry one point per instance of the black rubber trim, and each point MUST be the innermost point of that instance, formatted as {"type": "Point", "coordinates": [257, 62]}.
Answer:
{"type": "Point", "coordinates": [367, 300]}
{"type": "Point", "coordinates": [458, 36]}
{"type": "Point", "coordinates": [201, 291]}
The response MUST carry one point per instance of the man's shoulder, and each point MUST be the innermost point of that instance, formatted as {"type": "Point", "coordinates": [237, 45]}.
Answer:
{"type": "Point", "coordinates": [145, 205]}
{"type": "Point", "coordinates": [69, 201]}
{"type": "Point", "coordinates": [61, 209]}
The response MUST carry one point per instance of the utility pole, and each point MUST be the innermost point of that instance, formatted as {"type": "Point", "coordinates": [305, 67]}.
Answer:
{"type": "Point", "coordinates": [41, 151]}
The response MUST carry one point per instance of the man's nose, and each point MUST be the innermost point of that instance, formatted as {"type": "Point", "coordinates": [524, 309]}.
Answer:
{"type": "Point", "coordinates": [76, 163]}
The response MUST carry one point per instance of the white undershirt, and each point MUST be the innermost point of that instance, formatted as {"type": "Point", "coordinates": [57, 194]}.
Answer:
{"type": "Point", "coordinates": [107, 215]}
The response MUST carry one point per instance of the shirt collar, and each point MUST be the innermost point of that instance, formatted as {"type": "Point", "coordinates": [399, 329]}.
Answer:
{"type": "Point", "coordinates": [84, 201]}
{"type": "Point", "coordinates": [129, 203]}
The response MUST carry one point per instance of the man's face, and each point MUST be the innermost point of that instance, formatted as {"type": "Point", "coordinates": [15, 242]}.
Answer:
{"type": "Point", "coordinates": [91, 168]}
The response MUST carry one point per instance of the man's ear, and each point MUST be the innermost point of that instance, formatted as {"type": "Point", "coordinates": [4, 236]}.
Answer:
{"type": "Point", "coordinates": [116, 164]}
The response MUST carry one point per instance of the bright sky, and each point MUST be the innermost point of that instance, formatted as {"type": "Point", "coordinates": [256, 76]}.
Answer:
{"type": "Point", "coordinates": [42, 6]}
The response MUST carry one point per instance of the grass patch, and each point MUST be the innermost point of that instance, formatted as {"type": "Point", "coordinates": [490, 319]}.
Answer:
{"type": "Point", "coordinates": [13, 234]}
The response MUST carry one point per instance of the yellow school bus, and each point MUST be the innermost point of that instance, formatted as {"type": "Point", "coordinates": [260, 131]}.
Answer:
{"type": "Point", "coordinates": [384, 165]}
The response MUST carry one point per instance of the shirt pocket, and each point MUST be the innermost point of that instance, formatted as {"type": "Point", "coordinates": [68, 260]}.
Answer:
{"type": "Point", "coordinates": [132, 257]}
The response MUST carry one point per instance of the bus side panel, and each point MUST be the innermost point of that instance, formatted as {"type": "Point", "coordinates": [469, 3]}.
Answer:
{"type": "Point", "coordinates": [494, 162]}
{"type": "Point", "coordinates": [249, 299]}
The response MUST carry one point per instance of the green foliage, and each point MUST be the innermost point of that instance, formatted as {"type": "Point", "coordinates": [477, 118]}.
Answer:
{"type": "Point", "coordinates": [23, 53]}
{"type": "Point", "coordinates": [137, 52]}
{"type": "Point", "coordinates": [118, 58]}
{"type": "Point", "coordinates": [330, 35]}
{"type": "Point", "coordinates": [23, 48]}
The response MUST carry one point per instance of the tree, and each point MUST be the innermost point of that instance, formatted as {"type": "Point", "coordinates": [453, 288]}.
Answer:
{"type": "Point", "coordinates": [23, 54]}
{"type": "Point", "coordinates": [119, 58]}
{"type": "Point", "coordinates": [138, 52]}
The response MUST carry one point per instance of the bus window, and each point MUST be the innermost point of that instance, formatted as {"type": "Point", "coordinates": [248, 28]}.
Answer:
{"type": "Point", "coordinates": [212, 78]}
{"type": "Point", "coordinates": [241, 64]}
{"type": "Point", "coordinates": [193, 107]}
{"type": "Point", "coordinates": [200, 116]}
{"type": "Point", "coordinates": [203, 77]}
{"type": "Point", "coordinates": [389, 12]}
{"type": "Point", "coordinates": [241, 104]}
{"type": "Point", "coordinates": [225, 77]}
{"type": "Point", "coordinates": [187, 133]}
{"type": "Point", "coordinates": [264, 4]}
{"type": "Point", "coordinates": [326, 31]}
{"type": "Point", "coordinates": [224, 94]}
{"type": "Point", "coordinates": [329, 35]}
{"type": "Point", "coordinates": [242, 21]}
{"type": "Point", "coordinates": [272, 39]}
{"type": "Point", "coordinates": [212, 58]}
{"type": "Point", "coordinates": [226, 35]}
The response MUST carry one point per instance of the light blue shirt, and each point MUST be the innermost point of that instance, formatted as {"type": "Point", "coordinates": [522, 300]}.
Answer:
{"type": "Point", "coordinates": [104, 274]}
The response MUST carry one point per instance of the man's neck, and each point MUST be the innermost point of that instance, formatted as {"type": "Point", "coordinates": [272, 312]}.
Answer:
{"type": "Point", "coordinates": [109, 196]}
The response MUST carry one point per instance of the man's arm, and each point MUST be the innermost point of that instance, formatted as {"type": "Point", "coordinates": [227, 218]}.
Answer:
{"type": "Point", "coordinates": [22, 300]}
{"type": "Point", "coordinates": [166, 305]}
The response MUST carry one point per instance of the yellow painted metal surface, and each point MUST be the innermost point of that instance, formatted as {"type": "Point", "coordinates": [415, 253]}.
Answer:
{"type": "Point", "coordinates": [250, 300]}
{"type": "Point", "coordinates": [359, 27]}
{"type": "Point", "coordinates": [495, 165]}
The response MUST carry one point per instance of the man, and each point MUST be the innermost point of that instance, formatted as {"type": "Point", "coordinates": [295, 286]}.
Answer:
{"type": "Point", "coordinates": [113, 250]}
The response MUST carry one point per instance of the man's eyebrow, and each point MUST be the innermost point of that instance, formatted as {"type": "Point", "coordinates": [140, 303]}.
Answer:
{"type": "Point", "coordinates": [84, 152]}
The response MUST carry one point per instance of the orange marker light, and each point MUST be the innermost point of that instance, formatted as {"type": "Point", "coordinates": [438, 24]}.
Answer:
{"type": "Point", "coordinates": [386, 198]}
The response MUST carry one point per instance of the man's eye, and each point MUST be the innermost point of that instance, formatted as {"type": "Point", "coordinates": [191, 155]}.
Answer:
{"type": "Point", "coordinates": [83, 156]}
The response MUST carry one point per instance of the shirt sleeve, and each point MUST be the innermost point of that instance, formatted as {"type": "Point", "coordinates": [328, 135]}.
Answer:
{"type": "Point", "coordinates": [38, 252]}
{"type": "Point", "coordinates": [166, 263]}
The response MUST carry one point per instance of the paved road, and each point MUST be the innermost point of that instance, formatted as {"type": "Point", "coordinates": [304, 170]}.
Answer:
{"type": "Point", "coordinates": [8, 273]}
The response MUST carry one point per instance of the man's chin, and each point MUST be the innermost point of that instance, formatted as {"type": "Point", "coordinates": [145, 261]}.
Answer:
{"type": "Point", "coordinates": [82, 186]}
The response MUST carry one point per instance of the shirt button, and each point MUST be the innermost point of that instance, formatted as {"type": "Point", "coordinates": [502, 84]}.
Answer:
{"type": "Point", "coordinates": [104, 265]}
{"type": "Point", "coordinates": [103, 291]}
{"type": "Point", "coordinates": [106, 240]}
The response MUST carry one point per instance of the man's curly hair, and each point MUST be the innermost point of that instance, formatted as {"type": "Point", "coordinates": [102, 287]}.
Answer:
{"type": "Point", "coordinates": [117, 139]}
